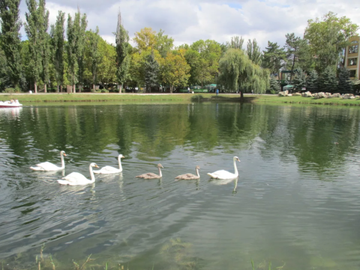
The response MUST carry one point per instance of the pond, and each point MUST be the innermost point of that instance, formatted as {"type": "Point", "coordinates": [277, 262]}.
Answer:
{"type": "Point", "coordinates": [295, 204]}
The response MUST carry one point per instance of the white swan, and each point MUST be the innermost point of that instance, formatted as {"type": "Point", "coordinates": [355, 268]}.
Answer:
{"type": "Point", "coordinates": [48, 166]}
{"type": "Point", "coordinates": [222, 174]}
{"type": "Point", "coordinates": [189, 176]}
{"type": "Point", "coordinates": [152, 175]}
{"type": "Point", "coordinates": [109, 169]}
{"type": "Point", "coordinates": [77, 179]}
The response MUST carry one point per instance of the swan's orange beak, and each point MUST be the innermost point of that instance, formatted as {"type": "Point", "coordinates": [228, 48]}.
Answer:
{"type": "Point", "coordinates": [64, 155]}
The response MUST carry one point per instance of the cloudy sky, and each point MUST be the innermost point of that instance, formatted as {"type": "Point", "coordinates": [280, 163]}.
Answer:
{"type": "Point", "coordinates": [187, 21]}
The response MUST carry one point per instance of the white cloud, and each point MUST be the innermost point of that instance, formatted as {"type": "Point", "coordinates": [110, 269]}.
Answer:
{"type": "Point", "coordinates": [188, 21]}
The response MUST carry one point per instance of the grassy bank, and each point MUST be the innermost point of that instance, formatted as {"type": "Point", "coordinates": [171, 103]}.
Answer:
{"type": "Point", "coordinates": [113, 98]}
{"type": "Point", "coordinates": [274, 99]}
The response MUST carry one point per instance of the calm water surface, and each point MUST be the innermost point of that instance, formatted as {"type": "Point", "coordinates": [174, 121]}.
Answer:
{"type": "Point", "coordinates": [296, 203]}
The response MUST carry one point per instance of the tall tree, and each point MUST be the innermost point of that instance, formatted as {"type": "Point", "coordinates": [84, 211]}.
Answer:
{"type": "Point", "coordinates": [145, 39]}
{"type": "Point", "coordinates": [45, 44]}
{"type": "Point", "coordinates": [71, 47]}
{"type": "Point", "coordinates": [151, 72]}
{"type": "Point", "coordinates": [164, 43]}
{"type": "Point", "coordinates": [58, 46]}
{"type": "Point", "coordinates": [10, 41]}
{"type": "Point", "coordinates": [80, 24]}
{"type": "Point", "coordinates": [299, 80]}
{"type": "Point", "coordinates": [345, 84]}
{"type": "Point", "coordinates": [327, 80]}
{"type": "Point", "coordinates": [123, 57]}
{"type": "Point", "coordinates": [328, 37]}
{"type": "Point", "coordinates": [33, 29]}
{"type": "Point", "coordinates": [293, 51]}
{"type": "Point", "coordinates": [174, 70]}
{"type": "Point", "coordinates": [274, 57]}
{"type": "Point", "coordinates": [312, 81]}
{"type": "Point", "coordinates": [93, 54]}
{"type": "Point", "coordinates": [236, 42]}
{"type": "Point", "coordinates": [203, 57]}
{"type": "Point", "coordinates": [75, 48]}
{"type": "Point", "coordinates": [254, 52]}
{"type": "Point", "coordinates": [238, 72]}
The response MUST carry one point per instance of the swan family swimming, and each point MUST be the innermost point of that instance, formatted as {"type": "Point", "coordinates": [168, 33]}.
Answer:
{"type": "Point", "coordinates": [76, 179]}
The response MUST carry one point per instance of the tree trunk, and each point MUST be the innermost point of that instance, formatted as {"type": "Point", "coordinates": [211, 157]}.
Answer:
{"type": "Point", "coordinates": [93, 88]}
{"type": "Point", "coordinates": [74, 89]}
{"type": "Point", "coordinates": [35, 87]}
{"type": "Point", "coordinates": [57, 88]}
{"type": "Point", "coordinates": [171, 89]}
{"type": "Point", "coordinates": [120, 88]}
{"type": "Point", "coordinates": [45, 88]}
{"type": "Point", "coordinates": [61, 88]}
{"type": "Point", "coordinates": [80, 86]}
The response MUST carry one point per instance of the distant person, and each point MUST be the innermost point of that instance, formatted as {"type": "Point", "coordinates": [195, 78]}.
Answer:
{"type": "Point", "coordinates": [217, 91]}
{"type": "Point", "coordinates": [188, 89]}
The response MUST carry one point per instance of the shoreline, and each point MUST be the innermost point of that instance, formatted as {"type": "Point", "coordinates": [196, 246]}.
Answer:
{"type": "Point", "coordinates": [167, 98]}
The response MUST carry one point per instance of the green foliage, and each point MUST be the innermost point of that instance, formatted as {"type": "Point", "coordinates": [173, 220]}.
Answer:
{"type": "Point", "coordinates": [299, 80]}
{"type": "Point", "coordinates": [328, 81]}
{"type": "Point", "coordinates": [174, 70]}
{"type": "Point", "coordinates": [274, 57]}
{"type": "Point", "coordinates": [164, 44]}
{"type": "Point", "coordinates": [151, 72]}
{"type": "Point", "coordinates": [297, 53]}
{"type": "Point", "coordinates": [92, 57]}
{"type": "Point", "coordinates": [10, 42]}
{"type": "Point", "coordinates": [36, 29]}
{"type": "Point", "coordinates": [58, 47]}
{"type": "Point", "coordinates": [238, 72]}
{"type": "Point", "coordinates": [327, 39]}
{"type": "Point", "coordinates": [274, 85]}
{"type": "Point", "coordinates": [254, 52]}
{"type": "Point", "coordinates": [123, 50]}
{"type": "Point", "coordinates": [75, 47]}
{"type": "Point", "coordinates": [345, 85]}
{"type": "Point", "coordinates": [312, 81]}
{"type": "Point", "coordinates": [235, 43]}
{"type": "Point", "coordinates": [203, 58]}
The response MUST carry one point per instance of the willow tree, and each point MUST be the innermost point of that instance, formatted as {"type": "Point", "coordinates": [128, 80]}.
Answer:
{"type": "Point", "coordinates": [238, 72]}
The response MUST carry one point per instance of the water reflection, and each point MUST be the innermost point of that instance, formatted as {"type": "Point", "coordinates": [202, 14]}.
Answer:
{"type": "Point", "coordinates": [296, 195]}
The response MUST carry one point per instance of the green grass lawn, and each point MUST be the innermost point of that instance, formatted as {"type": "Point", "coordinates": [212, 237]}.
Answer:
{"type": "Point", "coordinates": [115, 98]}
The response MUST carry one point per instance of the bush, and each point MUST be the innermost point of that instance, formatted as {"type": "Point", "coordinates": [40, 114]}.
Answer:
{"type": "Point", "coordinates": [12, 90]}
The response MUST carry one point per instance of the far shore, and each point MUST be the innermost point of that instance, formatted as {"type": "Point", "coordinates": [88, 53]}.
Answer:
{"type": "Point", "coordinates": [164, 98]}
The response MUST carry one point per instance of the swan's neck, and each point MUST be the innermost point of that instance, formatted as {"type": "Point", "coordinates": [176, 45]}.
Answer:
{"type": "Point", "coordinates": [92, 176]}
{"type": "Point", "coordinates": [62, 161]}
{"type": "Point", "coordinates": [235, 168]}
{"type": "Point", "coordinates": [160, 172]}
{"type": "Point", "coordinates": [119, 160]}
{"type": "Point", "coordinates": [197, 173]}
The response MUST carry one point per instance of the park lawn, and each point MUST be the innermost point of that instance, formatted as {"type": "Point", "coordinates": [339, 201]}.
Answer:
{"type": "Point", "coordinates": [115, 98]}
{"type": "Point", "coordinates": [275, 99]}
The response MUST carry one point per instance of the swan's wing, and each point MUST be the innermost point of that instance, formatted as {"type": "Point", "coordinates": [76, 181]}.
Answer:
{"type": "Point", "coordinates": [75, 177]}
{"type": "Point", "coordinates": [107, 170]}
{"type": "Point", "coordinates": [45, 166]}
{"type": "Point", "coordinates": [222, 174]}
{"type": "Point", "coordinates": [148, 175]}
{"type": "Point", "coordinates": [186, 176]}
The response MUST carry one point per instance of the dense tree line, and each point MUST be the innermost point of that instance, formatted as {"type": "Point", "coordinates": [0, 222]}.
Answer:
{"type": "Point", "coordinates": [78, 58]}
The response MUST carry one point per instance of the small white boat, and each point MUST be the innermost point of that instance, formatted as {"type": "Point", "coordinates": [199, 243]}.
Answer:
{"type": "Point", "coordinates": [10, 104]}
